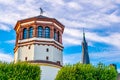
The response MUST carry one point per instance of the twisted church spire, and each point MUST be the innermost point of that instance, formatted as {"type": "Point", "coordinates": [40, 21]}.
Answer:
{"type": "Point", "coordinates": [85, 55]}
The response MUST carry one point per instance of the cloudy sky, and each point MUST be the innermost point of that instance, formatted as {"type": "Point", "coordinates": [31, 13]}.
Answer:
{"type": "Point", "coordinates": [100, 18]}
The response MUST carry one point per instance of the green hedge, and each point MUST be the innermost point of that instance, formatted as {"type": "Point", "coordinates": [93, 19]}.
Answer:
{"type": "Point", "coordinates": [87, 72]}
{"type": "Point", "coordinates": [19, 71]}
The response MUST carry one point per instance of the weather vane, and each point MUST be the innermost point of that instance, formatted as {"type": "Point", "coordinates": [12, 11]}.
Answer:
{"type": "Point", "coordinates": [41, 11]}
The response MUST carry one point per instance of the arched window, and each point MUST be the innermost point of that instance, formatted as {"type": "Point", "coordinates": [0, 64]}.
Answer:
{"type": "Point", "coordinates": [40, 31]}
{"type": "Point", "coordinates": [55, 34]}
{"type": "Point", "coordinates": [47, 32]}
{"type": "Point", "coordinates": [24, 33]}
{"type": "Point", "coordinates": [58, 36]}
{"type": "Point", "coordinates": [30, 32]}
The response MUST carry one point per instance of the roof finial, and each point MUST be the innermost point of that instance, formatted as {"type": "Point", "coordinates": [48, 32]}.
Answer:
{"type": "Point", "coordinates": [83, 32]}
{"type": "Point", "coordinates": [41, 11]}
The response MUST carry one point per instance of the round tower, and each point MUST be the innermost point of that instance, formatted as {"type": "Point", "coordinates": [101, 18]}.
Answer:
{"type": "Point", "coordinates": [39, 40]}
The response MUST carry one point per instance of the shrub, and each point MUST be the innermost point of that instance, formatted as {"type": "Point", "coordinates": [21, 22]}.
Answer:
{"type": "Point", "coordinates": [19, 71]}
{"type": "Point", "coordinates": [87, 72]}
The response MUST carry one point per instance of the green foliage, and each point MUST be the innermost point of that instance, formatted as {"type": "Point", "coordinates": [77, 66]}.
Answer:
{"type": "Point", "coordinates": [87, 72]}
{"type": "Point", "coordinates": [19, 71]}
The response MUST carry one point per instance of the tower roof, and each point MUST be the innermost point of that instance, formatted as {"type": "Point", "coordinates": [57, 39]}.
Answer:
{"type": "Point", "coordinates": [38, 18]}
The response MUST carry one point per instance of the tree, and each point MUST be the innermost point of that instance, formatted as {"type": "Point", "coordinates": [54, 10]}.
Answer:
{"type": "Point", "coordinates": [86, 72]}
{"type": "Point", "coordinates": [19, 71]}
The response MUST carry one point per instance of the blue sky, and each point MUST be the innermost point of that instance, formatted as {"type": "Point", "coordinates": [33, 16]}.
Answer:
{"type": "Point", "coordinates": [100, 18]}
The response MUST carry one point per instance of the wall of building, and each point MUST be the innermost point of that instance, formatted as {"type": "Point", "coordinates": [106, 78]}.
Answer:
{"type": "Point", "coordinates": [16, 56]}
{"type": "Point", "coordinates": [53, 53]}
{"type": "Point", "coordinates": [118, 76]}
{"type": "Point", "coordinates": [49, 72]}
{"type": "Point", "coordinates": [23, 52]}
{"type": "Point", "coordinates": [38, 52]}
{"type": "Point", "coordinates": [57, 56]}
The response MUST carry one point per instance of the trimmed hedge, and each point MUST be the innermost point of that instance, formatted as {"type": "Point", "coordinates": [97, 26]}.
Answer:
{"type": "Point", "coordinates": [87, 72]}
{"type": "Point", "coordinates": [19, 71]}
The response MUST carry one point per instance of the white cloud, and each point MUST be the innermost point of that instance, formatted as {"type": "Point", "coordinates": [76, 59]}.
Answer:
{"type": "Point", "coordinates": [74, 5]}
{"type": "Point", "coordinates": [68, 41]}
{"type": "Point", "coordinates": [71, 58]}
{"type": "Point", "coordinates": [4, 27]}
{"type": "Point", "coordinates": [74, 37]}
{"type": "Point", "coordinates": [112, 39]}
{"type": "Point", "coordinates": [6, 57]}
{"type": "Point", "coordinates": [8, 2]}
{"type": "Point", "coordinates": [87, 13]}
{"type": "Point", "coordinates": [117, 1]}
{"type": "Point", "coordinates": [118, 70]}
{"type": "Point", "coordinates": [10, 41]}
{"type": "Point", "coordinates": [56, 2]}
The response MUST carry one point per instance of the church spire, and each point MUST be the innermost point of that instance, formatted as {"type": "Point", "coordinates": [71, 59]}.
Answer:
{"type": "Point", "coordinates": [84, 36]}
{"type": "Point", "coordinates": [85, 55]}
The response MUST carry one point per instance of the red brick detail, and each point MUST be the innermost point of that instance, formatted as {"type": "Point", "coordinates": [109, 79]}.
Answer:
{"type": "Point", "coordinates": [19, 28]}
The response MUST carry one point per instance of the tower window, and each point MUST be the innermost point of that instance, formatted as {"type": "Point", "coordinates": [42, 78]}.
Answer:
{"type": "Point", "coordinates": [58, 62]}
{"type": "Point", "coordinates": [30, 32]}
{"type": "Point", "coordinates": [55, 34]}
{"type": "Point", "coordinates": [25, 58]}
{"type": "Point", "coordinates": [29, 47]}
{"type": "Point", "coordinates": [40, 31]}
{"type": "Point", "coordinates": [47, 32]}
{"type": "Point", "coordinates": [47, 58]}
{"type": "Point", "coordinates": [47, 50]}
{"type": "Point", "coordinates": [58, 38]}
{"type": "Point", "coordinates": [24, 33]}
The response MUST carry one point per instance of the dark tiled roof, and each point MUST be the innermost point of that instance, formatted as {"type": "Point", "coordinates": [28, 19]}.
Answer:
{"type": "Point", "coordinates": [41, 16]}
{"type": "Point", "coordinates": [38, 17]}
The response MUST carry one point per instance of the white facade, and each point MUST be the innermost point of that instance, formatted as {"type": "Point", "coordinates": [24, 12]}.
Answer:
{"type": "Point", "coordinates": [53, 53]}
{"type": "Point", "coordinates": [49, 72]}
{"type": "Point", "coordinates": [38, 51]}
{"type": "Point", "coordinates": [39, 41]}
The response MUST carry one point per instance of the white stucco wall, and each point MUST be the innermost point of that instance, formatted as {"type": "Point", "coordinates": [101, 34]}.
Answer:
{"type": "Point", "coordinates": [16, 56]}
{"type": "Point", "coordinates": [54, 54]}
{"type": "Point", "coordinates": [49, 72]}
{"type": "Point", "coordinates": [38, 52]}
{"type": "Point", "coordinates": [23, 52]}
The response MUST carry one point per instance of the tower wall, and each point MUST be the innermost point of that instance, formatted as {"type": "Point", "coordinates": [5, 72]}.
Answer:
{"type": "Point", "coordinates": [38, 50]}
{"type": "Point", "coordinates": [16, 56]}
{"type": "Point", "coordinates": [49, 71]}
{"type": "Point", "coordinates": [24, 52]}
{"type": "Point", "coordinates": [53, 53]}
{"type": "Point", "coordinates": [39, 41]}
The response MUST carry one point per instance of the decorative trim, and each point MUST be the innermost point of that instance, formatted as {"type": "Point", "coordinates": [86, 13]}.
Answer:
{"type": "Point", "coordinates": [30, 22]}
{"type": "Point", "coordinates": [57, 26]}
{"type": "Point", "coordinates": [18, 28]}
{"type": "Point", "coordinates": [39, 42]}
{"type": "Point", "coordinates": [45, 63]}
{"type": "Point", "coordinates": [48, 22]}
